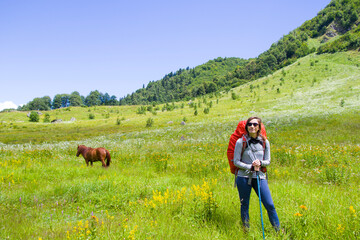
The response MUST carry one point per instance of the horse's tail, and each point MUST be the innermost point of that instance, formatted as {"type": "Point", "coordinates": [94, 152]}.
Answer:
{"type": "Point", "coordinates": [108, 158]}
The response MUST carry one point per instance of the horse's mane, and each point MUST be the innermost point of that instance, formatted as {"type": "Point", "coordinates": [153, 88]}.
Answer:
{"type": "Point", "coordinates": [83, 147]}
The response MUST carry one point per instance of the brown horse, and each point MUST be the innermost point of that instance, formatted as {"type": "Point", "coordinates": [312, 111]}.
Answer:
{"type": "Point", "coordinates": [94, 154]}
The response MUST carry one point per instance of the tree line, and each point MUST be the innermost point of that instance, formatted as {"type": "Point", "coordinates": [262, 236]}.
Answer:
{"type": "Point", "coordinates": [182, 84]}
{"type": "Point", "coordinates": [222, 74]}
{"type": "Point", "coordinates": [95, 98]}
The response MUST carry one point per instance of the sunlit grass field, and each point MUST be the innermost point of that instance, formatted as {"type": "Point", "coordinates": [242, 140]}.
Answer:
{"type": "Point", "coordinates": [172, 180]}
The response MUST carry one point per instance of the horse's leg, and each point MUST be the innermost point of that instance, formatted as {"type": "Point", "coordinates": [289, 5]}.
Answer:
{"type": "Point", "coordinates": [103, 161]}
{"type": "Point", "coordinates": [87, 162]}
{"type": "Point", "coordinates": [91, 163]}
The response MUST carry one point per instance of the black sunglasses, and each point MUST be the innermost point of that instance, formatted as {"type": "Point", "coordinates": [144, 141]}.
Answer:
{"type": "Point", "coordinates": [253, 124]}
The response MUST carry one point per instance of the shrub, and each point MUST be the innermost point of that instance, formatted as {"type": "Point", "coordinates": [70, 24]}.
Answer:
{"type": "Point", "coordinates": [251, 87]}
{"type": "Point", "coordinates": [342, 103]}
{"type": "Point", "coordinates": [149, 122]}
{"type": "Point", "coordinates": [149, 108]}
{"type": "Point", "coordinates": [34, 117]}
{"type": "Point", "coordinates": [46, 118]}
{"type": "Point", "coordinates": [91, 116]}
{"type": "Point", "coordinates": [141, 110]}
{"type": "Point", "coordinates": [234, 96]}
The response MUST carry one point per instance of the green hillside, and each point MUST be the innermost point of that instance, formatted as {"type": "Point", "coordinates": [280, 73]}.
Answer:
{"type": "Point", "coordinates": [314, 85]}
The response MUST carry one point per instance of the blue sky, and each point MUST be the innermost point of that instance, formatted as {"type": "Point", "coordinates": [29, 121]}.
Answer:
{"type": "Point", "coordinates": [54, 47]}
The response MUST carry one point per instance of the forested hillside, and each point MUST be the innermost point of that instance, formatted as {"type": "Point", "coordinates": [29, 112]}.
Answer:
{"type": "Point", "coordinates": [339, 20]}
{"type": "Point", "coordinates": [187, 83]}
{"type": "Point", "coordinates": [335, 28]}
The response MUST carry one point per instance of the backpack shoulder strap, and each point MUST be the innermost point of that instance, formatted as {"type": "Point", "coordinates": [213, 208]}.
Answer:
{"type": "Point", "coordinates": [244, 145]}
{"type": "Point", "coordinates": [264, 145]}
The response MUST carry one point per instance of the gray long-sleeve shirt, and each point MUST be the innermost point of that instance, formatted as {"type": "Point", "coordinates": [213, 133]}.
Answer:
{"type": "Point", "coordinates": [251, 153]}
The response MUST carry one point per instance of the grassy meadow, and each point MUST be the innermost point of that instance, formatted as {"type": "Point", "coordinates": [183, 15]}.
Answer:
{"type": "Point", "coordinates": [172, 180]}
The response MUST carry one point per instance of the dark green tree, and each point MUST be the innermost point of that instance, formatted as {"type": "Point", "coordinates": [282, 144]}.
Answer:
{"type": "Point", "coordinates": [56, 101]}
{"type": "Point", "coordinates": [105, 99]}
{"type": "Point", "coordinates": [47, 101]}
{"type": "Point", "coordinates": [39, 104]}
{"type": "Point", "coordinates": [65, 100]}
{"type": "Point", "coordinates": [93, 99]}
{"type": "Point", "coordinates": [113, 101]}
{"type": "Point", "coordinates": [75, 99]}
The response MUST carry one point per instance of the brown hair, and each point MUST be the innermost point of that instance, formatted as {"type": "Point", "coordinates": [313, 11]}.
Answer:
{"type": "Point", "coordinates": [260, 124]}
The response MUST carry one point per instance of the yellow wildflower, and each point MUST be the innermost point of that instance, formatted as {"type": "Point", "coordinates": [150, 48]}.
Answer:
{"type": "Point", "coordinates": [298, 214]}
{"type": "Point", "coordinates": [340, 228]}
{"type": "Point", "coordinates": [132, 232]}
{"type": "Point", "coordinates": [80, 223]}
{"type": "Point", "coordinates": [303, 207]}
{"type": "Point", "coordinates": [352, 209]}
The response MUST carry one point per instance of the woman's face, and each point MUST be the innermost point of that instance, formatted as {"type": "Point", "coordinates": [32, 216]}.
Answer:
{"type": "Point", "coordinates": [253, 127]}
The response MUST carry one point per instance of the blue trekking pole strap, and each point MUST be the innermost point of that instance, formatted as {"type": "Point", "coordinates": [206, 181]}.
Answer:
{"type": "Point", "coordinates": [262, 221]}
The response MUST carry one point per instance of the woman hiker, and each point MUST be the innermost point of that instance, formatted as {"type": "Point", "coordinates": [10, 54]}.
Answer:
{"type": "Point", "coordinates": [253, 157]}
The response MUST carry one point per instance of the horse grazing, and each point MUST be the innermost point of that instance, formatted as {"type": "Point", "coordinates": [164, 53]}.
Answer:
{"type": "Point", "coordinates": [94, 154]}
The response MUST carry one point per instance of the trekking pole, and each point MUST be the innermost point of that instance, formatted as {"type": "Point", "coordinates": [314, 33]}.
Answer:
{"type": "Point", "coordinates": [258, 183]}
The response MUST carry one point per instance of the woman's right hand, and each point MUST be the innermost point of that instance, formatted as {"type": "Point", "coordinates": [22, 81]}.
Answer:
{"type": "Point", "coordinates": [256, 164]}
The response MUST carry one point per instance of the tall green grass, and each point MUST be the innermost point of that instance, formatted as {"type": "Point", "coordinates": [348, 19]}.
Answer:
{"type": "Point", "coordinates": [160, 186]}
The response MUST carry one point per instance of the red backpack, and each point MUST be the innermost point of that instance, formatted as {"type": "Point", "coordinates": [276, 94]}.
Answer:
{"type": "Point", "coordinates": [239, 132]}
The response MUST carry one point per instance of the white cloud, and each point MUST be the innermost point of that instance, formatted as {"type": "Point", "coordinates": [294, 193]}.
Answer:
{"type": "Point", "coordinates": [7, 104]}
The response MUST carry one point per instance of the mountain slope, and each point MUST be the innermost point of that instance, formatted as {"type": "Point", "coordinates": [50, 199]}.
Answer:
{"type": "Point", "coordinates": [339, 18]}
